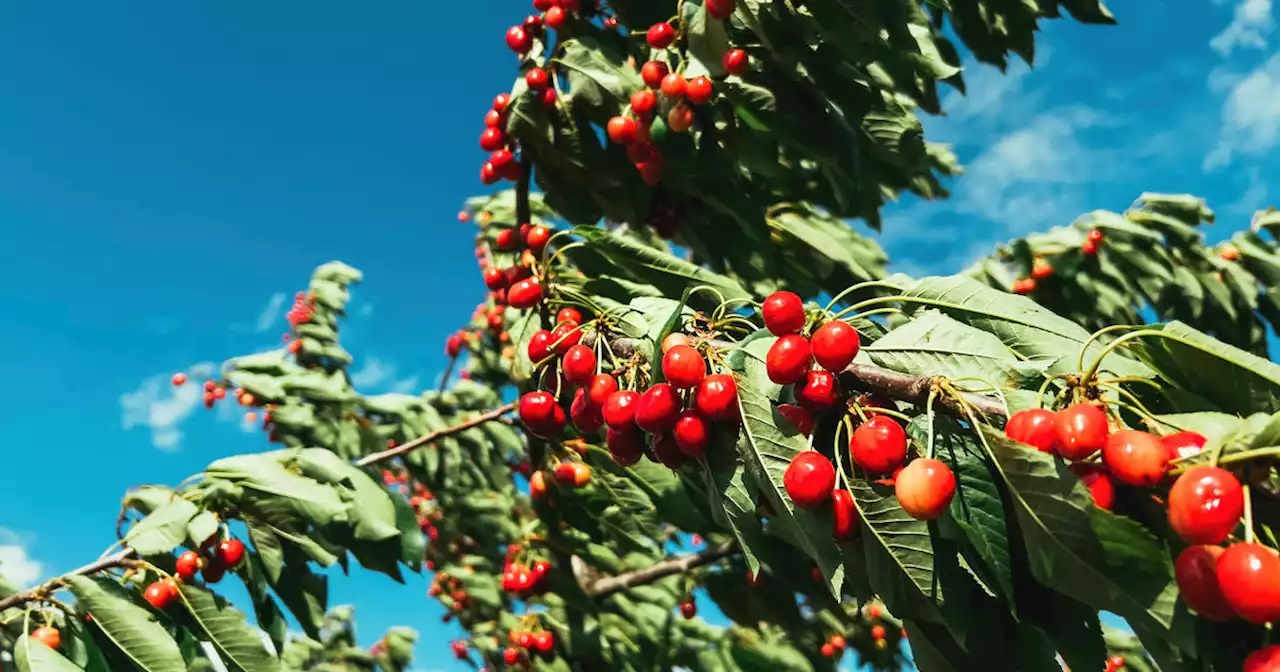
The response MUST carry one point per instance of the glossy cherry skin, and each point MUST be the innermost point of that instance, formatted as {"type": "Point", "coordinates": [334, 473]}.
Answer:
{"type": "Point", "coordinates": [652, 73]}
{"type": "Point", "coordinates": [658, 408]}
{"type": "Point", "coordinates": [674, 86]}
{"type": "Point", "coordinates": [568, 314]}
{"type": "Point", "coordinates": [48, 636]}
{"type": "Point", "coordinates": [799, 417]}
{"type": "Point", "coordinates": [661, 35]}
{"type": "Point", "coordinates": [565, 336]}
{"type": "Point", "coordinates": [230, 552]}
{"type": "Point", "coordinates": [622, 130]}
{"type": "Point", "coordinates": [692, 433]}
{"type": "Point", "coordinates": [1137, 458]}
{"type": "Point", "coordinates": [720, 10]}
{"type": "Point", "coordinates": [544, 641]}
{"type": "Point", "coordinates": [539, 346]}
{"type": "Point", "coordinates": [537, 408]}
{"type": "Point", "coordinates": [579, 365]}
{"type": "Point", "coordinates": [879, 445]}
{"type": "Point", "coordinates": [925, 488]}
{"type": "Point", "coordinates": [1205, 505]}
{"type": "Point", "coordinates": [717, 398]}
{"type": "Point", "coordinates": [688, 609]}
{"type": "Point", "coordinates": [789, 359]}
{"type": "Point", "coordinates": [1266, 659]}
{"type": "Point", "coordinates": [1082, 430]}
{"type": "Point", "coordinates": [494, 278]}
{"type": "Point", "coordinates": [586, 415]}
{"type": "Point", "coordinates": [666, 452]}
{"type": "Point", "coordinates": [699, 90]}
{"type": "Point", "coordinates": [1196, 571]}
{"type": "Point", "coordinates": [519, 40]}
{"type": "Point", "coordinates": [844, 514]}
{"type": "Point", "coordinates": [1101, 487]}
{"type": "Point", "coordinates": [188, 565]}
{"type": "Point", "coordinates": [601, 386]}
{"type": "Point", "coordinates": [626, 446]}
{"type": "Point", "coordinates": [1183, 444]}
{"type": "Point", "coordinates": [564, 473]}
{"type": "Point", "coordinates": [835, 344]}
{"type": "Point", "coordinates": [1249, 576]}
{"type": "Point", "coordinates": [620, 410]}
{"type": "Point", "coordinates": [736, 62]}
{"type": "Point", "coordinates": [783, 313]}
{"type": "Point", "coordinates": [683, 367]}
{"type": "Point", "coordinates": [643, 102]}
{"type": "Point", "coordinates": [809, 479]}
{"type": "Point", "coordinates": [160, 594]}
{"type": "Point", "coordinates": [818, 391]}
{"type": "Point", "coordinates": [491, 140]}
{"type": "Point", "coordinates": [525, 294]}
{"type": "Point", "coordinates": [1036, 427]}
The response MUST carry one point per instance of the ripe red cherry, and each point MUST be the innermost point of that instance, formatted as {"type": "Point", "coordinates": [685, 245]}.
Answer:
{"type": "Point", "coordinates": [1183, 444]}
{"type": "Point", "coordinates": [699, 90]}
{"type": "Point", "coordinates": [493, 119]}
{"type": "Point", "coordinates": [1266, 659]}
{"type": "Point", "coordinates": [799, 416]}
{"type": "Point", "coordinates": [643, 102]}
{"type": "Point", "coordinates": [1137, 458]}
{"type": "Point", "coordinates": [661, 35]}
{"type": "Point", "coordinates": [502, 159]}
{"type": "Point", "coordinates": [925, 488]}
{"type": "Point", "coordinates": [579, 365]}
{"type": "Point", "coordinates": [717, 398]}
{"type": "Point", "coordinates": [494, 278]}
{"type": "Point", "coordinates": [525, 294]}
{"type": "Point", "coordinates": [720, 10]}
{"type": "Point", "coordinates": [622, 130]}
{"type": "Point", "coordinates": [510, 656]}
{"type": "Point", "coordinates": [879, 445]}
{"type": "Point", "coordinates": [844, 515]}
{"type": "Point", "coordinates": [1082, 430]}
{"type": "Point", "coordinates": [818, 391]}
{"type": "Point", "coordinates": [658, 408]}
{"type": "Point", "coordinates": [674, 86]}
{"type": "Point", "coordinates": [1035, 427]}
{"type": "Point", "coordinates": [548, 98]}
{"type": "Point", "coordinates": [48, 636]}
{"type": "Point", "coordinates": [626, 446]}
{"type": "Point", "coordinates": [230, 552]}
{"type": "Point", "coordinates": [555, 18]}
{"type": "Point", "coordinates": [878, 632]}
{"type": "Point", "coordinates": [492, 139]}
{"type": "Point", "coordinates": [537, 486]}
{"type": "Point", "coordinates": [688, 609]}
{"type": "Point", "coordinates": [564, 473]}
{"type": "Point", "coordinates": [1196, 572]}
{"type": "Point", "coordinates": [539, 346]}
{"type": "Point", "coordinates": [537, 238]}
{"type": "Point", "coordinates": [652, 73]}
{"type": "Point", "coordinates": [683, 367]}
{"type": "Point", "coordinates": [620, 410]}
{"type": "Point", "coordinates": [736, 61]}
{"type": "Point", "coordinates": [809, 479]}
{"type": "Point", "coordinates": [179, 379]}
{"type": "Point", "coordinates": [835, 344]}
{"type": "Point", "coordinates": [602, 385]}
{"type": "Point", "coordinates": [1205, 505]}
{"type": "Point", "coordinates": [568, 314]}
{"type": "Point", "coordinates": [586, 415]}
{"type": "Point", "coordinates": [783, 313]}
{"type": "Point", "coordinates": [692, 433]}
{"type": "Point", "coordinates": [1249, 576]}
{"type": "Point", "coordinates": [188, 565]}
{"type": "Point", "coordinates": [827, 649]}
{"type": "Point", "coordinates": [789, 359]}
{"type": "Point", "coordinates": [1101, 487]}
{"type": "Point", "coordinates": [213, 570]}
{"type": "Point", "coordinates": [537, 408]}
{"type": "Point", "coordinates": [519, 40]}
{"type": "Point", "coordinates": [565, 336]}
{"type": "Point", "coordinates": [161, 593]}
{"type": "Point", "coordinates": [666, 452]}
{"type": "Point", "coordinates": [533, 24]}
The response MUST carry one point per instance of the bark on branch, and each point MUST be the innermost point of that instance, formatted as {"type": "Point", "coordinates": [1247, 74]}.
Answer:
{"type": "Point", "coordinates": [118, 559]}
{"type": "Point", "coordinates": [610, 585]}
{"type": "Point", "coordinates": [410, 446]}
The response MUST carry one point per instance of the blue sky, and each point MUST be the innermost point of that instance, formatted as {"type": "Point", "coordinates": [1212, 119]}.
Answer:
{"type": "Point", "coordinates": [170, 172]}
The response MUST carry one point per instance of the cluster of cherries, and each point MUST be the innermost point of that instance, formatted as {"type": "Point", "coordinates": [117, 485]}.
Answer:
{"type": "Point", "coordinates": [516, 285]}
{"type": "Point", "coordinates": [1042, 269]}
{"type": "Point", "coordinates": [527, 644]}
{"type": "Point", "coordinates": [442, 583]}
{"type": "Point", "coordinates": [525, 580]}
{"type": "Point", "coordinates": [211, 565]}
{"type": "Point", "coordinates": [215, 392]}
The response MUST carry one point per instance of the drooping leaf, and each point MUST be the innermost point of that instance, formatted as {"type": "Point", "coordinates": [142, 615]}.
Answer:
{"type": "Point", "coordinates": [31, 655]}
{"type": "Point", "coordinates": [933, 344]}
{"type": "Point", "coordinates": [132, 629]}
{"type": "Point", "coordinates": [1241, 383]}
{"type": "Point", "coordinates": [237, 643]}
{"type": "Point", "coordinates": [163, 530]}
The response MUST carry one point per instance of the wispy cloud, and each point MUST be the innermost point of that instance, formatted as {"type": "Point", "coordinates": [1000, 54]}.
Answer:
{"type": "Point", "coordinates": [270, 313]}
{"type": "Point", "coordinates": [16, 565]}
{"type": "Point", "coordinates": [366, 310]}
{"type": "Point", "coordinates": [1250, 26]}
{"type": "Point", "coordinates": [162, 408]}
{"type": "Point", "coordinates": [1250, 116]}
{"type": "Point", "coordinates": [377, 374]}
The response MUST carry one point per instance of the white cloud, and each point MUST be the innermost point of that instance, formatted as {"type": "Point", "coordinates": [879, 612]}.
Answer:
{"type": "Point", "coordinates": [15, 564]}
{"type": "Point", "coordinates": [1250, 116]}
{"type": "Point", "coordinates": [406, 386]}
{"type": "Point", "coordinates": [270, 313]}
{"type": "Point", "coordinates": [380, 374]}
{"type": "Point", "coordinates": [162, 407]}
{"type": "Point", "coordinates": [1250, 25]}
{"type": "Point", "coordinates": [365, 311]}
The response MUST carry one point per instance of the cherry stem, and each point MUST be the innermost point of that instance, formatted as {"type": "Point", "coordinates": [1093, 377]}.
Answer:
{"type": "Point", "coordinates": [861, 285]}
{"type": "Point", "coordinates": [928, 409]}
{"type": "Point", "coordinates": [1248, 514]}
{"type": "Point", "coordinates": [1099, 334]}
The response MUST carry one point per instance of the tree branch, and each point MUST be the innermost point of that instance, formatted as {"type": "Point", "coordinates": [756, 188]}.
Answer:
{"type": "Point", "coordinates": [118, 559]}
{"type": "Point", "coordinates": [423, 440]}
{"type": "Point", "coordinates": [615, 584]}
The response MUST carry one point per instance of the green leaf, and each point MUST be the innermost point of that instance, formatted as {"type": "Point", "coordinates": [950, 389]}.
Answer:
{"type": "Point", "coordinates": [237, 643]}
{"type": "Point", "coordinates": [932, 344]}
{"type": "Point", "coordinates": [707, 39]}
{"type": "Point", "coordinates": [200, 528]}
{"type": "Point", "coordinates": [1241, 383]}
{"type": "Point", "coordinates": [598, 72]}
{"type": "Point", "coordinates": [733, 501]}
{"type": "Point", "coordinates": [163, 530]}
{"type": "Point", "coordinates": [371, 505]}
{"type": "Point", "coordinates": [269, 549]}
{"type": "Point", "coordinates": [265, 473]}
{"type": "Point", "coordinates": [1209, 424]}
{"type": "Point", "coordinates": [31, 655]}
{"type": "Point", "coordinates": [134, 630]}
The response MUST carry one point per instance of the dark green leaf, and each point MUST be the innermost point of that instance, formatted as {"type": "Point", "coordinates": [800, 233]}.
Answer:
{"type": "Point", "coordinates": [132, 629]}
{"type": "Point", "coordinates": [238, 644]}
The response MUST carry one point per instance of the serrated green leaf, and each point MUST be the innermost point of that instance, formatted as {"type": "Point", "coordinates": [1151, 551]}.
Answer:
{"type": "Point", "coordinates": [1241, 383]}
{"type": "Point", "coordinates": [238, 644]}
{"type": "Point", "coordinates": [932, 344]}
{"type": "Point", "coordinates": [31, 655]}
{"type": "Point", "coordinates": [132, 629]}
{"type": "Point", "coordinates": [163, 530]}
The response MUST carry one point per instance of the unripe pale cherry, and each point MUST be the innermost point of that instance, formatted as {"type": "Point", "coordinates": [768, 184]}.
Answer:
{"type": "Point", "coordinates": [925, 488]}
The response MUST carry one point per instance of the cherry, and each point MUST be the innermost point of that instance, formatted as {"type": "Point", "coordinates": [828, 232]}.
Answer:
{"type": "Point", "coordinates": [544, 642]}
{"type": "Point", "coordinates": [622, 130]}
{"type": "Point", "coordinates": [625, 446]}
{"type": "Point", "coordinates": [719, 9]}
{"type": "Point", "coordinates": [565, 473]}
{"type": "Point", "coordinates": [533, 24]}
{"type": "Point", "coordinates": [459, 650]}
{"type": "Point", "coordinates": [1205, 505]}
{"type": "Point", "coordinates": [673, 339]}
{"type": "Point", "coordinates": [568, 314]}
{"type": "Point", "coordinates": [537, 485]}
{"type": "Point", "coordinates": [1101, 487]}
{"type": "Point", "coordinates": [568, 5]}
{"type": "Point", "coordinates": [1036, 427]}
{"type": "Point", "coordinates": [502, 159]}
{"type": "Point", "coordinates": [1089, 248]}
{"type": "Point", "coordinates": [525, 294]}
{"type": "Point", "coordinates": [161, 594]}
{"type": "Point", "coordinates": [692, 433]}
{"type": "Point", "coordinates": [1137, 458]}
{"type": "Point", "coordinates": [586, 415]}
{"type": "Point", "coordinates": [494, 278]}
{"type": "Point", "coordinates": [519, 40]}
{"type": "Point", "coordinates": [827, 649]}
{"type": "Point", "coordinates": [661, 35]}
{"type": "Point", "coordinates": [789, 359]}
{"type": "Point", "coordinates": [1183, 444]}
{"type": "Point", "coordinates": [878, 632]}
{"type": "Point", "coordinates": [1266, 659]}
{"type": "Point", "coordinates": [213, 570]}
{"type": "Point", "coordinates": [539, 346]}
{"type": "Point", "coordinates": [666, 452]}
{"type": "Point", "coordinates": [688, 609]}
{"type": "Point", "coordinates": [838, 641]}
{"type": "Point", "coordinates": [699, 90]}
{"type": "Point", "coordinates": [1082, 430]}
{"type": "Point", "coordinates": [1249, 576]}
{"type": "Point", "coordinates": [620, 410]}
{"type": "Point", "coordinates": [1041, 269]}
{"type": "Point", "coordinates": [925, 488]}
{"type": "Point", "coordinates": [537, 238]}
{"type": "Point", "coordinates": [602, 385]}
{"type": "Point", "coordinates": [809, 479]}
{"type": "Point", "coordinates": [1096, 236]}
{"type": "Point", "coordinates": [510, 656]}
{"type": "Point", "coordinates": [555, 18]}
{"type": "Point", "coordinates": [537, 408]}
{"type": "Point", "coordinates": [798, 416]}
{"type": "Point", "coordinates": [492, 139]}
{"type": "Point", "coordinates": [652, 73]}
{"type": "Point", "coordinates": [674, 86]}
{"type": "Point", "coordinates": [188, 565]}
{"type": "Point", "coordinates": [783, 313]}
{"type": "Point", "coordinates": [835, 344]}
{"type": "Point", "coordinates": [179, 379]}
{"type": "Point", "coordinates": [818, 391]}
{"type": "Point", "coordinates": [48, 636]}
{"type": "Point", "coordinates": [717, 398]}
{"type": "Point", "coordinates": [1197, 575]}
{"type": "Point", "coordinates": [579, 365]}
{"type": "Point", "coordinates": [643, 102]}
{"type": "Point", "coordinates": [680, 118]}
{"type": "Point", "coordinates": [879, 445]}
{"type": "Point", "coordinates": [736, 62]}
{"type": "Point", "coordinates": [548, 97]}
{"type": "Point", "coordinates": [658, 408]}
{"type": "Point", "coordinates": [844, 514]}
{"type": "Point", "coordinates": [683, 367]}
{"type": "Point", "coordinates": [230, 552]}
{"type": "Point", "coordinates": [544, 5]}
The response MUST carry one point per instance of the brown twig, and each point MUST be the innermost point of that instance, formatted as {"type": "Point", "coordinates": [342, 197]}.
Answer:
{"type": "Point", "coordinates": [118, 559]}
{"type": "Point", "coordinates": [423, 440]}
{"type": "Point", "coordinates": [678, 565]}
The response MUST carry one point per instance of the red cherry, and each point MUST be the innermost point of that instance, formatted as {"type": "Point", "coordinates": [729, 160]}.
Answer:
{"type": "Point", "coordinates": [661, 35]}
{"type": "Point", "coordinates": [699, 90]}
{"type": "Point", "coordinates": [622, 130]}
{"type": "Point", "coordinates": [525, 294]}
{"type": "Point", "coordinates": [626, 446]}
{"type": "Point", "coordinates": [1089, 248]}
{"type": "Point", "coordinates": [230, 553]}
{"type": "Point", "coordinates": [827, 649]}
{"type": "Point", "coordinates": [1137, 458]}
{"type": "Point", "coordinates": [161, 593]}
{"type": "Point", "coordinates": [510, 656]}
{"type": "Point", "coordinates": [179, 379]}
{"type": "Point", "coordinates": [1183, 444]}
{"type": "Point", "coordinates": [579, 365]}
{"type": "Point", "coordinates": [925, 488]}
{"type": "Point", "coordinates": [783, 313]}
{"type": "Point", "coordinates": [692, 433]}
{"type": "Point", "coordinates": [555, 18]}
{"type": "Point", "coordinates": [519, 40]}
{"type": "Point", "coordinates": [879, 445]}
{"type": "Point", "coordinates": [494, 278]}
{"type": "Point", "coordinates": [789, 359]}
{"type": "Point", "coordinates": [501, 160]}
{"type": "Point", "coordinates": [736, 62]}
{"type": "Point", "coordinates": [1249, 575]}
{"type": "Point", "coordinates": [537, 486]}
{"type": "Point", "coordinates": [1196, 572]}
{"type": "Point", "coordinates": [666, 452]}
{"type": "Point", "coordinates": [566, 336]}
{"type": "Point", "coordinates": [644, 102]}
{"type": "Point", "coordinates": [1035, 427]}
{"type": "Point", "coordinates": [652, 73]}
{"type": "Point", "coordinates": [537, 408]}
{"type": "Point", "coordinates": [835, 344]}
{"type": "Point", "coordinates": [719, 9]}
{"type": "Point", "coordinates": [809, 479]}
{"type": "Point", "coordinates": [674, 86]}
{"type": "Point", "coordinates": [213, 570]}
{"type": "Point", "coordinates": [548, 98]}
{"type": "Point", "coordinates": [844, 514]}
{"type": "Point", "coordinates": [533, 24]}
{"type": "Point", "coordinates": [838, 641]}
{"type": "Point", "coordinates": [188, 566]}
{"type": "Point", "coordinates": [658, 408]}
{"type": "Point", "coordinates": [1205, 505]}
{"type": "Point", "coordinates": [818, 391]}
{"type": "Point", "coordinates": [586, 415]}
{"type": "Point", "coordinates": [1099, 482]}
{"type": "Point", "coordinates": [684, 367]}
{"type": "Point", "coordinates": [568, 314]}
{"type": "Point", "coordinates": [1082, 430]}
{"type": "Point", "coordinates": [601, 386]}
{"type": "Point", "coordinates": [48, 636]}
{"type": "Point", "coordinates": [878, 632]}
{"type": "Point", "coordinates": [620, 410]}
{"type": "Point", "coordinates": [525, 640]}
{"type": "Point", "coordinates": [500, 102]}
{"type": "Point", "coordinates": [717, 398]}
{"type": "Point", "coordinates": [492, 139]}
{"type": "Point", "coordinates": [799, 416]}
{"type": "Point", "coordinates": [537, 238]}
{"type": "Point", "coordinates": [564, 473]}
{"type": "Point", "coordinates": [688, 609]}
{"type": "Point", "coordinates": [1266, 659]}
{"type": "Point", "coordinates": [539, 346]}
{"type": "Point", "coordinates": [493, 119]}
{"type": "Point", "coordinates": [544, 5]}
